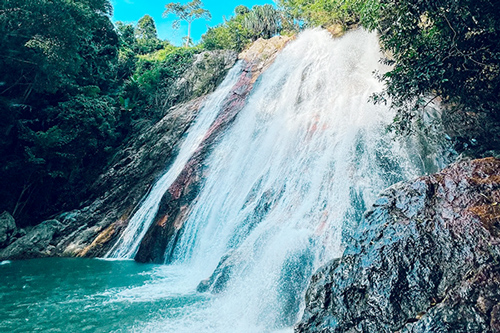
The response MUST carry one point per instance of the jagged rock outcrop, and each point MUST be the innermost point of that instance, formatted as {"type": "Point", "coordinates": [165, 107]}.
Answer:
{"type": "Point", "coordinates": [202, 77]}
{"type": "Point", "coordinates": [424, 259]}
{"type": "Point", "coordinates": [174, 207]}
{"type": "Point", "coordinates": [217, 282]}
{"type": "Point", "coordinates": [474, 134]}
{"type": "Point", "coordinates": [37, 243]}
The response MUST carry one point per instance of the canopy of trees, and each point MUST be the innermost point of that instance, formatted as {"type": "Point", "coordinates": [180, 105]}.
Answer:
{"type": "Point", "coordinates": [57, 63]}
{"type": "Point", "coordinates": [449, 50]}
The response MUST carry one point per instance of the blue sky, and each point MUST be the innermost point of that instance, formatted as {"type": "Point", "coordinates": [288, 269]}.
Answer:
{"type": "Point", "coordinates": [130, 11]}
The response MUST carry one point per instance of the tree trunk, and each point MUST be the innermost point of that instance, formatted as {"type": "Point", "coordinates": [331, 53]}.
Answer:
{"type": "Point", "coordinates": [189, 34]}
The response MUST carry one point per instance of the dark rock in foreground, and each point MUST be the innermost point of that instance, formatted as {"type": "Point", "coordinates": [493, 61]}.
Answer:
{"type": "Point", "coordinates": [425, 259]}
{"type": "Point", "coordinates": [217, 282]}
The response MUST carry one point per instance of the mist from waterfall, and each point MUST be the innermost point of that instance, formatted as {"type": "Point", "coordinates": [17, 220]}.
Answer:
{"type": "Point", "coordinates": [306, 156]}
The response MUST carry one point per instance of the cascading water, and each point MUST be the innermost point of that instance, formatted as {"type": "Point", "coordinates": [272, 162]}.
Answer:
{"type": "Point", "coordinates": [303, 160]}
{"type": "Point", "coordinates": [126, 247]}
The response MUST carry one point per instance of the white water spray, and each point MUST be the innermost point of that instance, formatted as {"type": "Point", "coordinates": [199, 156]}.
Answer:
{"type": "Point", "coordinates": [303, 160]}
{"type": "Point", "coordinates": [128, 244]}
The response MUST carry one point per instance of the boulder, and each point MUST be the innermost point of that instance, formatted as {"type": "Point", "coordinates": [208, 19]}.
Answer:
{"type": "Point", "coordinates": [36, 243]}
{"type": "Point", "coordinates": [424, 259]}
{"type": "Point", "coordinates": [8, 229]}
{"type": "Point", "coordinates": [217, 282]}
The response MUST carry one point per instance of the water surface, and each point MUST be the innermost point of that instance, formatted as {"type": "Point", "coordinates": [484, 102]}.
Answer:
{"type": "Point", "coordinates": [89, 295]}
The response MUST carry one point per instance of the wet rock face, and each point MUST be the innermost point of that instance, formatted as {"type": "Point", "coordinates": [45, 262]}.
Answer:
{"type": "Point", "coordinates": [424, 259]}
{"type": "Point", "coordinates": [217, 282]}
{"type": "Point", "coordinates": [202, 77]}
{"type": "Point", "coordinates": [174, 206]}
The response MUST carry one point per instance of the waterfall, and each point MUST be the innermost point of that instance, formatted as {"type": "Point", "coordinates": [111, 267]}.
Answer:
{"type": "Point", "coordinates": [126, 247]}
{"type": "Point", "coordinates": [284, 185]}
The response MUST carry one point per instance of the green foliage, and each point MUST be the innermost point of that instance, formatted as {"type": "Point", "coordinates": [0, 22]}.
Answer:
{"type": "Point", "coordinates": [189, 12]}
{"type": "Point", "coordinates": [154, 74]}
{"type": "Point", "coordinates": [263, 21]}
{"type": "Point", "coordinates": [160, 55]}
{"type": "Point", "coordinates": [146, 28]}
{"type": "Point", "coordinates": [146, 36]}
{"type": "Point", "coordinates": [127, 34]}
{"type": "Point", "coordinates": [246, 26]}
{"type": "Point", "coordinates": [75, 135]}
{"type": "Point", "coordinates": [241, 10]}
{"type": "Point", "coordinates": [146, 72]}
{"type": "Point", "coordinates": [232, 35]}
{"type": "Point", "coordinates": [53, 109]}
{"type": "Point", "coordinates": [140, 39]}
{"type": "Point", "coordinates": [328, 12]}
{"type": "Point", "coordinates": [449, 50]}
{"type": "Point", "coordinates": [53, 57]}
{"type": "Point", "coordinates": [221, 38]}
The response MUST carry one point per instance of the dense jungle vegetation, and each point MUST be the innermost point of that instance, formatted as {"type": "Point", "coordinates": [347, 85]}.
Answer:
{"type": "Point", "coordinates": [74, 86]}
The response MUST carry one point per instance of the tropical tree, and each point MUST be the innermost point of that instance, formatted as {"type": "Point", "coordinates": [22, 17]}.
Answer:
{"type": "Point", "coordinates": [448, 50]}
{"type": "Point", "coordinates": [241, 10]}
{"type": "Point", "coordinates": [264, 21]}
{"type": "Point", "coordinates": [189, 12]}
{"type": "Point", "coordinates": [146, 28]}
{"type": "Point", "coordinates": [146, 36]}
{"type": "Point", "coordinates": [56, 123]}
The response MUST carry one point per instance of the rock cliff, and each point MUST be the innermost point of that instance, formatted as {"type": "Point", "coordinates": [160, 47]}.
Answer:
{"type": "Point", "coordinates": [424, 259]}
